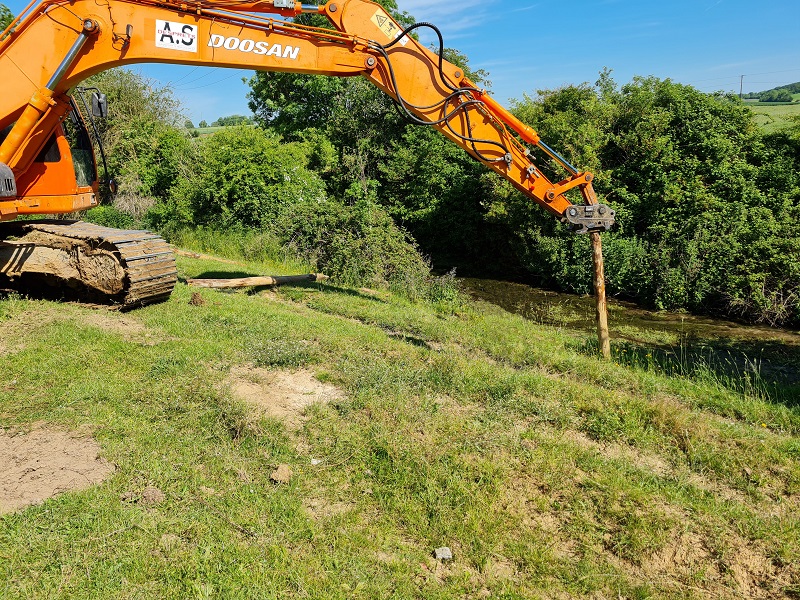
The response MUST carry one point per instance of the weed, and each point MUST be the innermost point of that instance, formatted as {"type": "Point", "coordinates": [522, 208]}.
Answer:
{"type": "Point", "coordinates": [280, 352]}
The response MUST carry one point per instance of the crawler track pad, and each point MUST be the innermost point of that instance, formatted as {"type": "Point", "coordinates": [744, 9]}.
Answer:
{"type": "Point", "coordinates": [88, 262]}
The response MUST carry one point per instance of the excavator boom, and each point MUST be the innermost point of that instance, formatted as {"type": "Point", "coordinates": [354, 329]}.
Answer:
{"type": "Point", "coordinates": [56, 44]}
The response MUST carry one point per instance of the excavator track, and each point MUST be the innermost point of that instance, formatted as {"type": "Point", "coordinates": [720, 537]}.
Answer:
{"type": "Point", "coordinates": [88, 262]}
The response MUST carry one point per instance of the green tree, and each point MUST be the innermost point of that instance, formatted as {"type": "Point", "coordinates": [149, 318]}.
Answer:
{"type": "Point", "coordinates": [6, 16]}
{"type": "Point", "coordinates": [703, 199]}
{"type": "Point", "coordinates": [292, 102]}
{"type": "Point", "coordinates": [778, 95]}
{"type": "Point", "coordinates": [147, 148]}
{"type": "Point", "coordinates": [356, 118]}
{"type": "Point", "coordinates": [381, 157]}
{"type": "Point", "coordinates": [232, 120]}
{"type": "Point", "coordinates": [436, 190]}
{"type": "Point", "coordinates": [132, 95]}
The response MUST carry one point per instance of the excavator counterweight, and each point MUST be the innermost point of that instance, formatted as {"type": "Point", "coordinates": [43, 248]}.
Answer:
{"type": "Point", "coordinates": [43, 172]}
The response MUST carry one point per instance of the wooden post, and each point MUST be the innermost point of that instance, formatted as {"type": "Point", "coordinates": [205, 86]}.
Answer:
{"type": "Point", "coordinates": [600, 296]}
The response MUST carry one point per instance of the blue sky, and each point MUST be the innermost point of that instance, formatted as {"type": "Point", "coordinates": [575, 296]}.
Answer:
{"type": "Point", "coordinates": [527, 45]}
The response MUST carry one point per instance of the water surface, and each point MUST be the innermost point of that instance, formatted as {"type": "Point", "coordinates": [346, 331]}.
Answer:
{"type": "Point", "coordinates": [771, 352]}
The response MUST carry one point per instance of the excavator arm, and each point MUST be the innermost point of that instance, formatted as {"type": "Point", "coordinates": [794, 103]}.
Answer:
{"type": "Point", "coordinates": [56, 44]}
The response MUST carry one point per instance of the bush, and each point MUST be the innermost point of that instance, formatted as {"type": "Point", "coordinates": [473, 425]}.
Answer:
{"type": "Point", "coordinates": [148, 150]}
{"type": "Point", "coordinates": [777, 96]}
{"type": "Point", "coordinates": [706, 216]}
{"type": "Point", "coordinates": [261, 194]}
{"type": "Point", "coordinates": [246, 178]}
{"type": "Point", "coordinates": [356, 245]}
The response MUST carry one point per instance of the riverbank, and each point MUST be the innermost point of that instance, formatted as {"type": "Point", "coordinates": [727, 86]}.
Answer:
{"type": "Point", "coordinates": [321, 442]}
{"type": "Point", "coordinates": [680, 342]}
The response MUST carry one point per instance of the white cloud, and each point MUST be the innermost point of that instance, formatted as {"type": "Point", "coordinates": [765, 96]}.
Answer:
{"type": "Point", "coordinates": [451, 16]}
{"type": "Point", "coordinates": [442, 7]}
{"type": "Point", "coordinates": [531, 7]}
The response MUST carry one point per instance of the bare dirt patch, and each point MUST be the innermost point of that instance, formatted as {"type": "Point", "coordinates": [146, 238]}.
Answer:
{"type": "Point", "coordinates": [282, 474]}
{"type": "Point", "coordinates": [683, 557]}
{"type": "Point", "coordinates": [115, 323]}
{"type": "Point", "coordinates": [282, 395]}
{"type": "Point", "coordinates": [45, 462]}
{"type": "Point", "coordinates": [741, 570]}
{"type": "Point", "coordinates": [754, 574]}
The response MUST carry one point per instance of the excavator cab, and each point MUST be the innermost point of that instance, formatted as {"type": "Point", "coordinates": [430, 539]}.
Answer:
{"type": "Point", "coordinates": [64, 174]}
{"type": "Point", "coordinates": [62, 177]}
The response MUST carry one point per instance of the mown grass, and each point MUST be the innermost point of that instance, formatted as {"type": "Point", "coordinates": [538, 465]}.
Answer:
{"type": "Point", "coordinates": [210, 130]}
{"type": "Point", "coordinates": [774, 117]}
{"type": "Point", "coordinates": [206, 131]}
{"type": "Point", "coordinates": [547, 471]}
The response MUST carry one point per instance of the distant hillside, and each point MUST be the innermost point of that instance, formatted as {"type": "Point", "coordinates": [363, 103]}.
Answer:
{"type": "Point", "coordinates": [784, 93]}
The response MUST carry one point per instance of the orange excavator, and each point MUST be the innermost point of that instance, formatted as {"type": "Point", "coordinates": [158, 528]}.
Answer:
{"type": "Point", "coordinates": [47, 163]}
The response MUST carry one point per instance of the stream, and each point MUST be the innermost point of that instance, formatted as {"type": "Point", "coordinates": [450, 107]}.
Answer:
{"type": "Point", "coordinates": [773, 354]}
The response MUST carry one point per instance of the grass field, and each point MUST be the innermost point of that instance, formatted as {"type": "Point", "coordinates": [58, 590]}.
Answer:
{"type": "Point", "coordinates": [774, 117]}
{"type": "Point", "coordinates": [547, 472]}
{"type": "Point", "coordinates": [207, 131]}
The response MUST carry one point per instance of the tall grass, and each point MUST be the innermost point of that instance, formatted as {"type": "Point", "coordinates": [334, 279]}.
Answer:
{"type": "Point", "coordinates": [249, 245]}
{"type": "Point", "coordinates": [415, 283]}
{"type": "Point", "coordinates": [712, 366]}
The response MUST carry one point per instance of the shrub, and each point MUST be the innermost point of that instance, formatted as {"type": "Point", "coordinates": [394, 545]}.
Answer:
{"type": "Point", "coordinates": [356, 245]}
{"type": "Point", "coordinates": [260, 192]}
{"type": "Point", "coordinates": [705, 202]}
{"type": "Point", "coordinates": [246, 178]}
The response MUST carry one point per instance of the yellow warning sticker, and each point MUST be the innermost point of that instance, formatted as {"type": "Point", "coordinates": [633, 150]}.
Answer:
{"type": "Point", "coordinates": [387, 26]}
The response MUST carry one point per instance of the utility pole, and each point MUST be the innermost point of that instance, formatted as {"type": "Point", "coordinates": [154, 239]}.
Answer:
{"type": "Point", "coordinates": [741, 85]}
